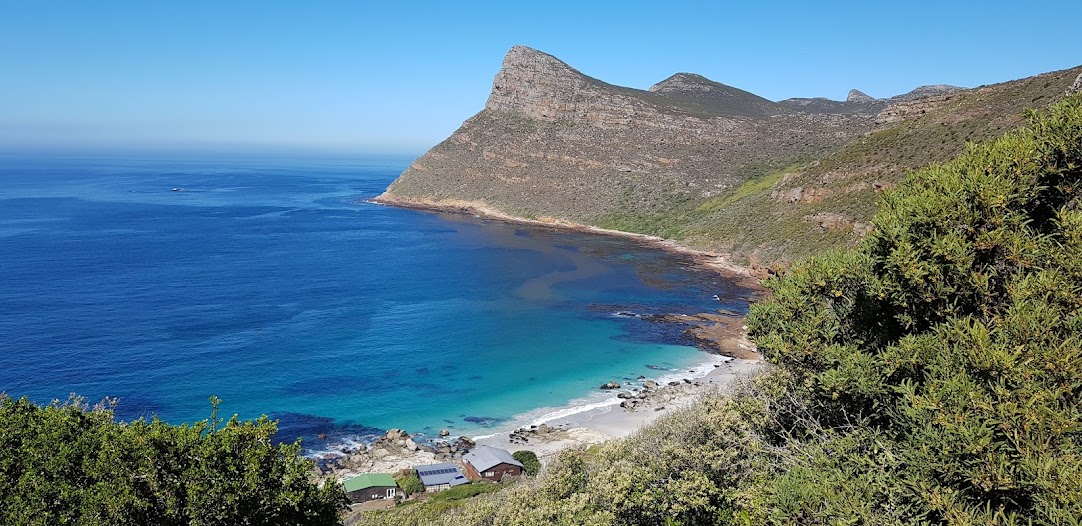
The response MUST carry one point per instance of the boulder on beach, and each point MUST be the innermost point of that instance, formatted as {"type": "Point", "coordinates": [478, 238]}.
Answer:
{"type": "Point", "coordinates": [444, 433]}
{"type": "Point", "coordinates": [610, 385]}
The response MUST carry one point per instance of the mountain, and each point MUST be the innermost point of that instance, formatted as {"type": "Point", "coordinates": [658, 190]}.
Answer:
{"type": "Point", "coordinates": [708, 165]}
{"type": "Point", "coordinates": [713, 97]}
{"type": "Point", "coordinates": [858, 96]}
{"type": "Point", "coordinates": [555, 143]}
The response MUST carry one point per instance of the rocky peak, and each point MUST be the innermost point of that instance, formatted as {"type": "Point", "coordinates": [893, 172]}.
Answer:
{"type": "Point", "coordinates": [684, 83]}
{"type": "Point", "coordinates": [856, 95]}
{"type": "Point", "coordinates": [525, 64]}
{"type": "Point", "coordinates": [699, 94]}
{"type": "Point", "coordinates": [540, 86]}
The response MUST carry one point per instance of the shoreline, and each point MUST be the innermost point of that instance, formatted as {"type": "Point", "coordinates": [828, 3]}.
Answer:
{"type": "Point", "coordinates": [623, 412]}
{"type": "Point", "coordinates": [596, 425]}
{"type": "Point", "coordinates": [744, 276]}
{"type": "Point", "coordinates": [593, 418]}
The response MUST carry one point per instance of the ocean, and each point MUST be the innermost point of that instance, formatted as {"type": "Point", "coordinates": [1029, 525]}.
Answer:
{"type": "Point", "coordinates": [274, 286]}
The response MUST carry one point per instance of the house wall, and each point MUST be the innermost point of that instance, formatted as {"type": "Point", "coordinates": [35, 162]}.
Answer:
{"type": "Point", "coordinates": [373, 493]}
{"type": "Point", "coordinates": [495, 473]}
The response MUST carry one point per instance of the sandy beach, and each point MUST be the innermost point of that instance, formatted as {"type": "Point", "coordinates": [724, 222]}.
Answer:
{"type": "Point", "coordinates": [625, 411]}
{"type": "Point", "coordinates": [549, 437]}
{"type": "Point", "coordinates": [600, 424]}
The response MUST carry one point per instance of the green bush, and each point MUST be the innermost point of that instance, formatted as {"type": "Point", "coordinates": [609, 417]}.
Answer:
{"type": "Point", "coordinates": [530, 464]}
{"type": "Point", "coordinates": [70, 464]}
{"type": "Point", "coordinates": [411, 484]}
{"type": "Point", "coordinates": [948, 343]}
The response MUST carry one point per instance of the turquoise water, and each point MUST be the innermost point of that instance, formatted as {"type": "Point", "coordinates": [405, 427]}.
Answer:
{"type": "Point", "coordinates": [273, 286]}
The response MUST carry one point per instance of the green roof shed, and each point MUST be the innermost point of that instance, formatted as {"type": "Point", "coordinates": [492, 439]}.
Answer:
{"type": "Point", "coordinates": [369, 480]}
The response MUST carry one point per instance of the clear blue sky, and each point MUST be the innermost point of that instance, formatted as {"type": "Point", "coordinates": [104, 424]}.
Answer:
{"type": "Point", "coordinates": [397, 77]}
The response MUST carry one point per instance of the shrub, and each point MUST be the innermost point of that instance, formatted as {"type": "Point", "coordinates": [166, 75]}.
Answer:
{"type": "Point", "coordinates": [953, 334]}
{"type": "Point", "coordinates": [70, 464]}
{"type": "Point", "coordinates": [411, 483]}
{"type": "Point", "coordinates": [530, 464]}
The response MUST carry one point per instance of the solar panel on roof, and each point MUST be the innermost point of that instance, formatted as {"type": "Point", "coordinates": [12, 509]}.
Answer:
{"type": "Point", "coordinates": [443, 471]}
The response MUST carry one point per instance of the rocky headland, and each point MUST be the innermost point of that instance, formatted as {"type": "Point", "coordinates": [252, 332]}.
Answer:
{"type": "Point", "coordinates": [699, 163]}
{"type": "Point", "coordinates": [553, 142]}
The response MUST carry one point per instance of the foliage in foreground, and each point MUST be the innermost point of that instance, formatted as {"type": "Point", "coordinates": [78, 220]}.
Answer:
{"type": "Point", "coordinates": [945, 354]}
{"type": "Point", "coordinates": [932, 375]}
{"type": "Point", "coordinates": [70, 464]}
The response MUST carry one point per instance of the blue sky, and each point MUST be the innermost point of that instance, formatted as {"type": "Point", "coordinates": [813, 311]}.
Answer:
{"type": "Point", "coordinates": [398, 77]}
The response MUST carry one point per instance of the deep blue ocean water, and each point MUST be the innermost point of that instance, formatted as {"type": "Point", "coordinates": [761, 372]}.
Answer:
{"type": "Point", "coordinates": [273, 286]}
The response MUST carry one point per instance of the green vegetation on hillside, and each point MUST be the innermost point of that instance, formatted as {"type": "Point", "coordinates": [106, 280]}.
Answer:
{"type": "Point", "coordinates": [71, 464]}
{"type": "Point", "coordinates": [764, 226]}
{"type": "Point", "coordinates": [945, 354]}
{"type": "Point", "coordinates": [931, 375]}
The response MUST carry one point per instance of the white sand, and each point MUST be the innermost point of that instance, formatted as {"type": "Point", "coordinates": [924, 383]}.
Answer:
{"type": "Point", "coordinates": [598, 425]}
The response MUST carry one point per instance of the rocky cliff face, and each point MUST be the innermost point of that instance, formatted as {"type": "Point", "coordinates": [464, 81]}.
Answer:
{"type": "Point", "coordinates": [542, 87]}
{"type": "Point", "coordinates": [695, 160]}
{"type": "Point", "coordinates": [556, 143]}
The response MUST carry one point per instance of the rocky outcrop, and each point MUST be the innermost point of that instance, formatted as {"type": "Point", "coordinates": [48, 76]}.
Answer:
{"type": "Point", "coordinates": [394, 451]}
{"type": "Point", "coordinates": [927, 91]}
{"type": "Point", "coordinates": [908, 109]}
{"type": "Point", "coordinates": [540, 86]}
{"type": "Point", "coordinates": [858, 96]}
{"type": "Point", "coordinates": [1076, 86]}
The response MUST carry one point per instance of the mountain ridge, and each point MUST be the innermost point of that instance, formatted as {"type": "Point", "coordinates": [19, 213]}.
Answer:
{"type": "Point", "coordinates": [696, 161]}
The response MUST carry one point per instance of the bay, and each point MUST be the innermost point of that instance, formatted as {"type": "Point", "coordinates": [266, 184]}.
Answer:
{"type": "Point", "coordinates": [273, 285]}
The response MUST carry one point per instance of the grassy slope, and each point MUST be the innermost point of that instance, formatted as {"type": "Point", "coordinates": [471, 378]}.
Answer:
{"type": "Point", "coordinates": [756, 228]}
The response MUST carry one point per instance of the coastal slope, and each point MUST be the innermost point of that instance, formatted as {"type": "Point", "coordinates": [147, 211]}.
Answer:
{"type": "Point", "coordinates": [553, 142]}
{"type": "Point", "coordinates": [706, 165]}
